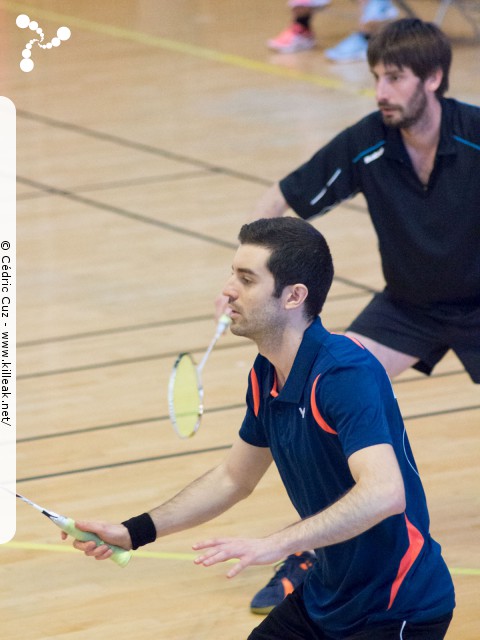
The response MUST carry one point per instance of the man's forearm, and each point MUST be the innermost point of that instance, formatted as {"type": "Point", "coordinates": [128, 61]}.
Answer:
{"type": "Point", "coordinates": [271, 205]}
{"type": "Point", "coordinates": [346, 519]}
{"type": "Point", "coordinates": [374, 497]}
{"type": "Point", "coordinates": [203, 499]}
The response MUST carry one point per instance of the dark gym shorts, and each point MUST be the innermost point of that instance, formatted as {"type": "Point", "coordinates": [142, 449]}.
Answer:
{"type": "Point", "coordinates": [425, 333]}
{"type": "Point", "coordinates": [290, 621]}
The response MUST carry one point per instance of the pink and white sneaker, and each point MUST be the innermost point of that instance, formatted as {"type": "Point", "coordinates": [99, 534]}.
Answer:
{"type": "Point", "coordinates": [293, 39]}
{"type": "Point", "coordinates": [309, 4]}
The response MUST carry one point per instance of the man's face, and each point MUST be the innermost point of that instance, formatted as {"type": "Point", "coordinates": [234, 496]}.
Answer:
{"type": "Point", "coordinates": [401, 96]}
{"type": "Point", "coordinates": [255, 312]}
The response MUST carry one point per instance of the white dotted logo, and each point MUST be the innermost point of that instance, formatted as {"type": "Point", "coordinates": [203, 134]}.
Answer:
{"type": "Point", "coordinates": [24, 22]}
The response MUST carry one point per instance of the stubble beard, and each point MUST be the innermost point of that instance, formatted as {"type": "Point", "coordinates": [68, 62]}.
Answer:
{"type": "Point", "coordinates": [265, 329]}
{"type": "Point", "coordinates": [409, 115]}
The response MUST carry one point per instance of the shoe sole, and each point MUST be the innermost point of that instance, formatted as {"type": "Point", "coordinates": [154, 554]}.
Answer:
{"type": "Point", "coordinates": [345, 60]}
{"type": "Point", "coordinates": [297, 49]}
{"type": "Point", "coordinates": [262, 611]}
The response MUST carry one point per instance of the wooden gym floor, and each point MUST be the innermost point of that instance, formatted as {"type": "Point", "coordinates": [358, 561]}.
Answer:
{"type": "Point", "coordinates": [143, 143]}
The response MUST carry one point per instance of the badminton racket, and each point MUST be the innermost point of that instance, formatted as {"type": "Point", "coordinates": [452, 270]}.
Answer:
{"type": "Point", "coordinates": [185, 389]}
{"type": "Point", "coordinates": [120, 556]}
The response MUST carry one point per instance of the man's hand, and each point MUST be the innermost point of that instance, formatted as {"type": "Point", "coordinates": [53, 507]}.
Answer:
{"type": "Point", "coordinates": [220, 304]}
{"type": "Point", "coordinates": [116, 534]}
{"type": "Point", "coordinates": [248, 551]}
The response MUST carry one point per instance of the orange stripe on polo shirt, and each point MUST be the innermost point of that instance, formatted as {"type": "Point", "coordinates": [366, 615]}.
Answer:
{"type": "Point", "coordinates": [255, 391]}
{"type": "Point", "coordinates": [357, 342]}
{"type": "Point", "coordinates": [316, 413]}
{"type": "Point", "coordinates": [274, 389]}
{"type": "Point", "coordinates": [415, 540]}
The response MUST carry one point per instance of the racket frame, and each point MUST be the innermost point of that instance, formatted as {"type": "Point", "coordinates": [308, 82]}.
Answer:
{"type": "Point", "coordinates": [220, 329]}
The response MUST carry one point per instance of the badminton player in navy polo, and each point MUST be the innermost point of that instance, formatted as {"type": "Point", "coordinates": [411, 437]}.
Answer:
{"type": "Point", "coordinates": [414, 160]}
{"type": "Point", "coordinates": [322, 408]}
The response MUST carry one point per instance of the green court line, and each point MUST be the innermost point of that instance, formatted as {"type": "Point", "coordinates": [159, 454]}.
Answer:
{"type": "Point", "coordinates": [160, 555]}
{"type": "Point", "coordinates": [177, 46]}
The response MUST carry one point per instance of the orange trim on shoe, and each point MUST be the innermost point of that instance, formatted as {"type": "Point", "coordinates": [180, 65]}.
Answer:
{"type": "Point", "coordinates": [287, 587]}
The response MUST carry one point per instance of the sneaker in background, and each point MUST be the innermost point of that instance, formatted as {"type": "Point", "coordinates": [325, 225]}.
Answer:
{"type": "Point", "coordinates": [288, 575]}
{"type": "Point", "coordinates": [352, 49]}
{"type": "Point", "coordinates": [378, 11]}
{"type": "Point", "coordinates": [308, 4]}
{"type": "Point", "coordinates": [293, 39]}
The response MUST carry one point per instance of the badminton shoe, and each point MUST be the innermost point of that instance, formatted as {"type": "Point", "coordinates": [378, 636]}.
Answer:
{"type": "Point", "coordinates": [378, 11]}
{"type": "Point", "coordinates": [293, 39]}
{"type": "Point", "coordinates": [288, 575]}
{"type": "Point", "coordinates": [352, 49]}
{"type": "Point", "coordinates": [308, 4]}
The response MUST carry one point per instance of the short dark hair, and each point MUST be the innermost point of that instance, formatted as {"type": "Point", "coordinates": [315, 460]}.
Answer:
{"type": "Point", "coordinates": [420, 46]}
{"type": "Point", "coordinates": [299, 255]}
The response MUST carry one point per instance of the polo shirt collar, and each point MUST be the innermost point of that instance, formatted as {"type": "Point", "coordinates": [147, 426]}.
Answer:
{"type": "Point", "coordinates": [394, 147]}
{"type": "Point", "coordinates": [313, 339]}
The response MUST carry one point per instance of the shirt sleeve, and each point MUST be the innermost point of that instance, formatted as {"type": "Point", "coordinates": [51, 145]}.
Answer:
{"type": "Point", "coordinates": [353, 402]}
{"type": "Point", "coordinates": [329, 177]}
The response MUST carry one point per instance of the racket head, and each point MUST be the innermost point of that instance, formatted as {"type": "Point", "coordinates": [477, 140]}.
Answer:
{"type": "Point", "coordinates": [185, 396]}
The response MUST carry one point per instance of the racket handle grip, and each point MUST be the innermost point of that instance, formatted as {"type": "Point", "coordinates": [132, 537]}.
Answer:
{"type": "Point", "coordinates": [120, 556]}
{"type": "Point", "coordinates": [225, 320]}
{"type": "Point", "coordinates": [222, 325]}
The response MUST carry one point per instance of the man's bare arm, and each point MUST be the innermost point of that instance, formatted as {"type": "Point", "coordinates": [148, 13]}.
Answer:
{"type": "Point", "coordinates": [377, 494]}
{"type": "Point", "coordinates": [271, 204]}
{"type": "Point", "coordinates": [203, 499]}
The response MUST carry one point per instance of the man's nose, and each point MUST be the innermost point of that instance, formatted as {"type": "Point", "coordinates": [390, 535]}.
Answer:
{"type": "Point", "coordinates": [381, 90]}
{"type": "Point", "coordinates": [229, 289]}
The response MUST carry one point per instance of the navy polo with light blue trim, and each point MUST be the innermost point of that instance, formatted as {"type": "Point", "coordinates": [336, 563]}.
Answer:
{"type": "Point", "coordinates": [429, 235]}
{"type": "Point", "coordinates": [369, 578]}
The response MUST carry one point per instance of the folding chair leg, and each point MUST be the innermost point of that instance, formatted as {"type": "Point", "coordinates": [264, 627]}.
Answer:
{"type": "Point", "coordinates": [442, 10]}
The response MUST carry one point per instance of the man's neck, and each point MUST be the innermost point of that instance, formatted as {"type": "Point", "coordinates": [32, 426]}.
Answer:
{"type": "Point", "coordinates": [425, 133]}
{"type": "Point", "coordinates": [282, 351]}
{"type": "Point", "coordinates": [421, 141]}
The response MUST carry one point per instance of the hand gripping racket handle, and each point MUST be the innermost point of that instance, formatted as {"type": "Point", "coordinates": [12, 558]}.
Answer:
{"type": "Point", "coordinates": [120, 556]}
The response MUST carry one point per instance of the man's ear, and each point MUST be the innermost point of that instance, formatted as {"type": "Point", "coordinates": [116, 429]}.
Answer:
{"type": "Point", "coordinates": [295, 296]}
{"type": "Point", "coordinates": [434, 80]}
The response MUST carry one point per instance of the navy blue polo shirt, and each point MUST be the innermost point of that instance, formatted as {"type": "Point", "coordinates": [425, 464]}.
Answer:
{"type": "Point", "coordinates": [337, 400]}
{"type": "Point", "coordinates": [429, 235]}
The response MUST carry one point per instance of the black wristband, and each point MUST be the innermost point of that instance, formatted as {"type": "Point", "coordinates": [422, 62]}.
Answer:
{"type": "Point", "coordinates": [141, 529]}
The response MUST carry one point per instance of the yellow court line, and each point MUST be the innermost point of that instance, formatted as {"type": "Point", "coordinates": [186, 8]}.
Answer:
{"type": "Point", "coordinates": [183, 47]}
{"type": "Point", "coordinates": [67, 548]}
{"type": "Point", "coordinates": [160, 555]}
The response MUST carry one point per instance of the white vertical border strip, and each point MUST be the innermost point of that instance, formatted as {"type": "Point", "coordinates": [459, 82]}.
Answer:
{"type": "Point", "coordinates": [7, 318]}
